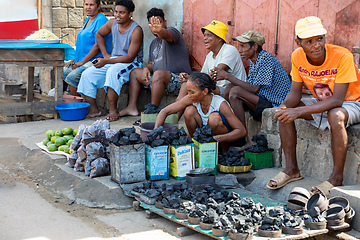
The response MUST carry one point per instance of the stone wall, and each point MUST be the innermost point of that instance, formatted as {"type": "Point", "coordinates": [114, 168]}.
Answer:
{"type": "Point", "coordinates": [67, 18]}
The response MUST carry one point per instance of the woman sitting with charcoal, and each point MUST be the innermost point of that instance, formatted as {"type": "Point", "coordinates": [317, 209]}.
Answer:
{"type": "Point", "coordinates": [202, 108]}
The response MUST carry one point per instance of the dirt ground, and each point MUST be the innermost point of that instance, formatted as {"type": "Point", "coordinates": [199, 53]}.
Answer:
{"type": "Point", "coordinates": [12, 153]}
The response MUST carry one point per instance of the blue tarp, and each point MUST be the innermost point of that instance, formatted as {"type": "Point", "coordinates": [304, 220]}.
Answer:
{"type": "Point", "coordinates": [69, 50]}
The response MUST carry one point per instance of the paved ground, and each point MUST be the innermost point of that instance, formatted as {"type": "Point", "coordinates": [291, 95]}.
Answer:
{"type": "Point", "coordinates": [42, 199]}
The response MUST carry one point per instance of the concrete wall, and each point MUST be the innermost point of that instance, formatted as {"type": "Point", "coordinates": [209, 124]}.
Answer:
{"type": "Point", "coordinates": [173, 14]}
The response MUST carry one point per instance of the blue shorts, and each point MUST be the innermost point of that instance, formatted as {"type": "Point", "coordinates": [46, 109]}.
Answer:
{"type": "Point", "coordinates": [72, 76]}
{"type": "Point", "coordinates": [238, 143]}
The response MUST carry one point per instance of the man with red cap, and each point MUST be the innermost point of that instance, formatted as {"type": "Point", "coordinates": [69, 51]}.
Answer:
{"type": "Point", "coordinates": [316, 62]}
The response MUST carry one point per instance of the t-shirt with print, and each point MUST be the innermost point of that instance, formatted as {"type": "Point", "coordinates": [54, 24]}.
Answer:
{"type": "Point", "coordinates": [338, 67]}
{"type": "Point", "coordinates": [170, 56]}
{"type": "Point", "coordinates": [270, 74]}
{"type": "Point", "coordinates": [229, 56]}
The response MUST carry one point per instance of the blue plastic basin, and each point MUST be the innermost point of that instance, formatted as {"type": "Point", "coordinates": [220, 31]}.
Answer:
{"type": "Point", "coordinates": [72, 111]}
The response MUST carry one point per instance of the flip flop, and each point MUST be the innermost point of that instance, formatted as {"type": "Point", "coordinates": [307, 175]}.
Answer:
{"type": "Point", "coordinates": [323, 188]}
{"type": "Point", "coordinates": [137, 122]}
{"type": "Point", "coordinates": [282, 179]}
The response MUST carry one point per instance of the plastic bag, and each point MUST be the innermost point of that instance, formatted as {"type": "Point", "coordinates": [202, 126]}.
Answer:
{"type": "Point", "coordinates": [99, 167]}
{"type": "Point", "coordinates": [94, 150]}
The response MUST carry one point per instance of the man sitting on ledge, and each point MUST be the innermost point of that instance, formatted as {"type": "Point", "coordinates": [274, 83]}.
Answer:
{"type": "Point", "coordinates": [315, 62]}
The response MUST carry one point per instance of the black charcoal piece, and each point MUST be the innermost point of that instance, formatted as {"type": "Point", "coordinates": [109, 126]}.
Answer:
{"type": "Point", "coordinates": [155, 133]}
{"type": "Point", "coordinates": [124, 141]}
{"type": "Point", "coordinates": [134, 137]}
{"type": "Point", "coordinates": [157, 143]}
{"type": "Point", "coordinates": [151, 193]}
{"type": "Point", "coordinates": [182, 132]}
{"type": "Point", "coordinates": [127, 131]}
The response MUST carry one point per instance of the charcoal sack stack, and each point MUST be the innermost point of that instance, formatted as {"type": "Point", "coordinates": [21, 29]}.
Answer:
{"type": "Point", "coordinates": [90, 149]}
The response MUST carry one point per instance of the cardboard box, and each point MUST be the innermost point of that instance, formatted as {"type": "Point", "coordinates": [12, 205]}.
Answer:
{"type": "Point", "coordinates": [260, 160]}
{"type": "Point", "coordinates": [127, 163]}
{"type": "Point", "coordinates": [181, 160]}
{"type": "Point", "coordinates": [157, 162]}
{"type": "Point", "coordinates": [206, 154]}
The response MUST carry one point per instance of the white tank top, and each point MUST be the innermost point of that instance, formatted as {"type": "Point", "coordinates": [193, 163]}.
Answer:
{"type": "Point", "coordinates": [216, 101]}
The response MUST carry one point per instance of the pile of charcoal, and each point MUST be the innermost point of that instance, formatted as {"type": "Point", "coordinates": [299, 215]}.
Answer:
{"type": "Point", "coordinates": [233, 158]}
{"type": "Point", "coordinates": [273, 220]}
{"type": "Point", "coordinates": [204, 134]}
{"type": "Point", "coordinates": [243, 225]}
{"type": "Point", "coordinates": [314, 215]}
{"type": "Point", "coordinates": [126, 136]}
{"type": "Point", "coordinates": [152, 108]}
{"type": "Point", "coordinates": [292, 221]}
{"type": "Point", "coordinates": [261, 144]}
{"type": "Point", "coordinates": [90, 149]}
{"type": "Point", "coordinates": [158, 137]}
{"type": "Point", "coordinates": [150, 189]}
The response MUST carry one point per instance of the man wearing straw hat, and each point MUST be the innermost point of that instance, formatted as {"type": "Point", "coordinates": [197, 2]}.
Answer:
{"type": "Point", "coordinates": [221, 55]}
{"type": "Point", "coordinates": [315, 62]}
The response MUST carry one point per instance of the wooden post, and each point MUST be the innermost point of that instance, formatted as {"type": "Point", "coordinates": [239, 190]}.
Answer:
{"type": "Point", "coordinates": [40, 13]}
{"type": "Point", "coordinates": [30, 85]}
{"type": "Point", "coordinates": [58, 85]}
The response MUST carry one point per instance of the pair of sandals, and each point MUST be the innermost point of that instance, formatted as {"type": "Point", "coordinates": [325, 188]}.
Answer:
{"type": "Point", "coordinates": [282, 179]}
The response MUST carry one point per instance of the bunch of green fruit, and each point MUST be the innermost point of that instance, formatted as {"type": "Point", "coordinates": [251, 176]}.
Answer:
{"type": "Point", "coordinates": [60, 140]}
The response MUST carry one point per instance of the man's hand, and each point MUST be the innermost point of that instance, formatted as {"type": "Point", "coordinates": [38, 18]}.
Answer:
{"type": "Point", "coordinates": [183, 77]}
{"type": "Point", "coordinates": [100, 63]}
{"type": "Point", "coordinates": [155, 25]}
{"type": "Point", "coordinates": [218, 74]}
{"type": "Point", "coordinates": [286, 115]}
{"type": "Point", "coordinates": [145, 77]}
{"type": "Point", "coordinates": [70, 63]}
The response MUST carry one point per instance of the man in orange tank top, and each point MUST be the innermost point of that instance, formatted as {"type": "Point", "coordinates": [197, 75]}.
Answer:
{"type": "Point", "coordinates": [332, 77]}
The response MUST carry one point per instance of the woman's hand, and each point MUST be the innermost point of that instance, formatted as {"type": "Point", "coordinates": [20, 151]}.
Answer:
{"type": "Point", "coordinates": [183, 77]}
{"type": "Point", "coordinates": [70, 63]}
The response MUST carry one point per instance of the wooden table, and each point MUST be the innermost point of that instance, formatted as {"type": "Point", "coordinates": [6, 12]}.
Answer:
{"type": "Point", "coordinates": [34, 55]}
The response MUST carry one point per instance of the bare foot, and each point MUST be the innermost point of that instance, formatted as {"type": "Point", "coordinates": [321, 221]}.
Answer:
{"type": "Point", "coordinates": [93, 114]}
{"type": "Point", "coordinates": [113, 116]}
{"type": "Point", "coordinates": [128, 112]}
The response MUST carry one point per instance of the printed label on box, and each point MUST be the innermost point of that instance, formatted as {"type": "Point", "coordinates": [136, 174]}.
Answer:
{"type": "Point", "coordinates": [206, 154]}
{"type": "Point", "coordinates": [181, 158]}
{"type": "Point", "coordinates": [157, 162]}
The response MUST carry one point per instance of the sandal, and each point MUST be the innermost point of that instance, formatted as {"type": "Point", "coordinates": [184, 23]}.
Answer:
{"type": "Point", "coordinates": [323, 188]}
{"type": "Point", "coordinates": [282, 179]}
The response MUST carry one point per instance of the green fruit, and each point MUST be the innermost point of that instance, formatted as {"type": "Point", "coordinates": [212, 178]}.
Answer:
{"type": "Point", "coordinates": [50, 134]}
{"type": "Point", "coordinates": [49, 143]}
{"type": "Point", "coordinates": [54, 138]}
{"type": "Point", "coordinates": [60, 141]}
{"type": "Point", "coordinates": [67, 131]}
{"type": "Point", "coordinates": [75, 131]}
{"type": "Point", "coordinates": [52, 147]}
{"type": "Point", "coordinates": [62, 147]}
{"type": "Point", "coordinates": [45, 141]}
{"type": "Point", "coordinates": [59, 133]}
{"type": "Point", "coordinates": [67, 137]}
{"type": "Point", "coordinates": [66, 149]}
{"type": "Point", "coordinates": [69, 142]}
